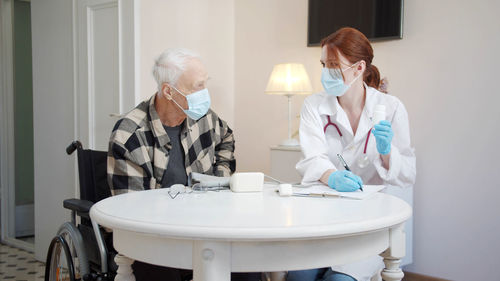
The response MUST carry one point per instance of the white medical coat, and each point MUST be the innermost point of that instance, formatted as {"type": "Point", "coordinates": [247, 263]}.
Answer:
{"type": "Point", "coordinates": [320, 150]}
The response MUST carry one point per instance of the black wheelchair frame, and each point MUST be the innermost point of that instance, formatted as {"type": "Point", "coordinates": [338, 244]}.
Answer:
{"type": "Point", "coordinates": [83, 250]}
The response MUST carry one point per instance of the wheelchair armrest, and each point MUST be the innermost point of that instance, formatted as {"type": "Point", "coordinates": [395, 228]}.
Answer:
{"type": "Point", "coordinates": [81, 207]}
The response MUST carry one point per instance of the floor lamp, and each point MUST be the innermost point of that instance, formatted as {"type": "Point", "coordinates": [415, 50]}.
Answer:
{"type": "Point", "coordinates": [289, 79]}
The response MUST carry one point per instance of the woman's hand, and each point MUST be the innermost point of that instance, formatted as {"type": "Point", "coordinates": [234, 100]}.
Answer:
{"type": "Point", "coordinates": [344, 181]}
{"type": "Point", "coordinates": [383, 135]}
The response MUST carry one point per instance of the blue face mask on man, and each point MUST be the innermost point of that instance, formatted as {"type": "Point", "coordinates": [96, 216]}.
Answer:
{"type": "Point", "coordinates": [198, 103]}
{"type": "Point", "coordinates": [333, 81]}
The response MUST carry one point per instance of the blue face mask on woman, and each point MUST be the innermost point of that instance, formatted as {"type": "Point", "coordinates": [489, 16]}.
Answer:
{"type": "Point", "coordinates": [333, 81]}
{"type": "Point", "coordinates": [198, 103]}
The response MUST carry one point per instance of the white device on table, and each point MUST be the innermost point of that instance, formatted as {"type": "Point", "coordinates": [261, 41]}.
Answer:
{"type": "Point", "coordinates": [247, 182]}
{"type": "Point", "coordinates": [285, 189]}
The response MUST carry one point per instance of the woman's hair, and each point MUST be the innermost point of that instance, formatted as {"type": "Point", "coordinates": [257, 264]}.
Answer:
{"type": "Point", "coordinates": [354, 45]}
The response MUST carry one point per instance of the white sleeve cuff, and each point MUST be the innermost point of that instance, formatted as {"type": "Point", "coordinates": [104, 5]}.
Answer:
{"type": "Point", "coordinates": [312, 169]}
{"type": "Point", "coordinates": [394, 166]}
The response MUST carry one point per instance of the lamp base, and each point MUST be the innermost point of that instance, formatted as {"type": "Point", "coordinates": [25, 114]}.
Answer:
{"type": "Point", "coordinates": [290, 142]}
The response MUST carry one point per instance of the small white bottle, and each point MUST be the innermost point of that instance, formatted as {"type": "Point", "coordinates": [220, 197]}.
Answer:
{"type": "Point", "coordinates": [378, 114]}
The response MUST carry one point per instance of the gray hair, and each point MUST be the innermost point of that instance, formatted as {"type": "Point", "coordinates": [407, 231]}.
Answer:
{"type": "Point", "coordinates": [170, 65]}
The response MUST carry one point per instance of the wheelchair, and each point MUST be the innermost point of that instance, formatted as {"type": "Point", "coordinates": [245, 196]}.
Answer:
{"type": "Point", "coordinates": [83, 251]}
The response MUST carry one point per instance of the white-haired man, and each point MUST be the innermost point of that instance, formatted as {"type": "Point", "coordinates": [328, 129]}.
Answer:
{"type": "Point", "coordinates": [171, 134]}
{"type": "Point", "coordinates": [166, 137]}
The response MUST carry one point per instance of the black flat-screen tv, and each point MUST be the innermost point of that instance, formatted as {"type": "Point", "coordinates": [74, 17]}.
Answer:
{"type": "Point", "coordinates": [377, 19]}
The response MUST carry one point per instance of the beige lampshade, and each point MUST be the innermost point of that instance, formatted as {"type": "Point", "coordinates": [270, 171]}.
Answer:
{"type": "Point", "coordinates": [289, 79]}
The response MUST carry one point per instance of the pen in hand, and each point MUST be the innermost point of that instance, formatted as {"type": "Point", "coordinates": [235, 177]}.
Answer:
{"type": "Point", "coordinates": [342, 161]}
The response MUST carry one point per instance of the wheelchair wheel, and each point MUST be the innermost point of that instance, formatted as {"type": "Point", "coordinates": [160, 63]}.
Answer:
{"type": "Point", "coordinates": [78, 255]}
{"type": "Point", "coordinates": [59, 264]}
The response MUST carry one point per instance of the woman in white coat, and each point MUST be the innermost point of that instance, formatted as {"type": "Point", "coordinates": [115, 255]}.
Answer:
{"type": "Point", "coordinates": [340, 121]}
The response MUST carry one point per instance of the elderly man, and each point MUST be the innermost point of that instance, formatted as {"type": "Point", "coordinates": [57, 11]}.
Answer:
{"type": "Point", "coordinates": [166, 137]}
{"type": "Point", "coordinates": [163, 139]}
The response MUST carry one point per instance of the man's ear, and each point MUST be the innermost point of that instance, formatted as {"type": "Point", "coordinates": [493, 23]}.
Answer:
{"type": "Point", "coordinates": [166, 91]}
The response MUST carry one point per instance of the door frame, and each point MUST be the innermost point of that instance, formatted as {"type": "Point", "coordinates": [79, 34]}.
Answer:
{"type": "Point", "coordinates": [7, 144]}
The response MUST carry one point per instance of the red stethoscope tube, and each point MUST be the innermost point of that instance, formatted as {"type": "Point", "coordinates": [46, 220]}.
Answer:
{"type": "Point", "coordinates": [340, 134]}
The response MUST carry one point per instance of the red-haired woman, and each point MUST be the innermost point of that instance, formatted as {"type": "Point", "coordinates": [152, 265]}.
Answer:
{"type": "Point", "coordinates": [340, 120]}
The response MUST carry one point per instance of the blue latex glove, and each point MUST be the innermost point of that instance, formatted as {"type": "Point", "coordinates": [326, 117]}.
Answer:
{"type": "Point", "coordinates": [383, 134]}
{"type": "Point", "coordinates": [344, 181]}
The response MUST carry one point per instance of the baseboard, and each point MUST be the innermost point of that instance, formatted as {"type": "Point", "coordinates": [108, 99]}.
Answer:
{"type": "Point", "coordinates": [25, 220]}
{"type": "Point", "coordinates": [410, 276]}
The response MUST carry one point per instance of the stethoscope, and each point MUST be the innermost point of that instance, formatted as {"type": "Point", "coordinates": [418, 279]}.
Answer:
{"type": "Point", "coordinates": [363, 161]}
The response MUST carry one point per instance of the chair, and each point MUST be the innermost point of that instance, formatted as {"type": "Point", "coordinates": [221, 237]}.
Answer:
{"type": "Point", "coordinates": [83, 251]}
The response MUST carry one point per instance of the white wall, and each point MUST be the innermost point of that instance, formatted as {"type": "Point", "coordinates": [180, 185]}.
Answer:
{"type": "Point", "coordinates": [267, 33]}
{"type": "Point", "coordinates": [53, 116]}
{"type": "Point", "coordinates": [444, 72]}
{"type": "Point", "coordinates": [206, 27]}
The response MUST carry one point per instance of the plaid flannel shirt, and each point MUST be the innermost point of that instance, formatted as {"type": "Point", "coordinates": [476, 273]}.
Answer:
{"type": "Point", "coordinates": [139, 148]}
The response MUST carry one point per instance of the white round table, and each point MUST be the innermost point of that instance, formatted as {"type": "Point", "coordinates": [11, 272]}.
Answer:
{"type": "Point", "coordinates": [215, 233]}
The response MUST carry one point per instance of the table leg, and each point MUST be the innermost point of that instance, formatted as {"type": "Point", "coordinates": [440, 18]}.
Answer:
{"type": "Point", "coordinates": [124, 271]}
{"type": "Point", "coordinates": [392, 271]}
{"type": "Point", "coordinates": [211, 261]}
{"type": "Point", "coordinates": [393, 255]}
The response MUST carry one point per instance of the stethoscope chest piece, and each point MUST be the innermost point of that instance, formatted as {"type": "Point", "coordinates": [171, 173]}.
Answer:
{"type": "Point", "coordinates": [363, 161]}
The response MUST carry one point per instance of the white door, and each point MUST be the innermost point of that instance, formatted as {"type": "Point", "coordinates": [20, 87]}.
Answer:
{"type": "Point", "coordinates": [107, 59]}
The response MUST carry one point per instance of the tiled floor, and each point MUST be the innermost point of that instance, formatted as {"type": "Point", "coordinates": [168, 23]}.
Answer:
{"type": "Point", "coordinates": [19, 265]}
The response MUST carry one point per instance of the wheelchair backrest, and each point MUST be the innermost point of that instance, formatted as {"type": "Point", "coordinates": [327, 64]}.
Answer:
{"type": "Point", "coordinates": [92, 172]}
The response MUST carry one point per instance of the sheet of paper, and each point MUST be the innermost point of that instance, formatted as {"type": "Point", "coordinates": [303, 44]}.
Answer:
{"type": "Point", "coordinates": [368, 190]}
